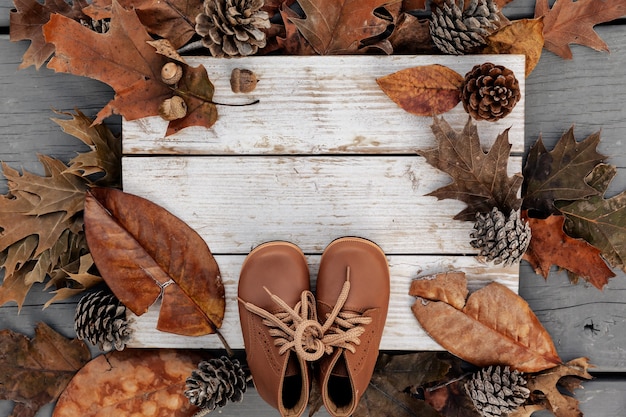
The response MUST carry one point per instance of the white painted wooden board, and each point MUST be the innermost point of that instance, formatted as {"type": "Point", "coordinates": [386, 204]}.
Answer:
{"type": "Point", "coordinates": [318, 105]}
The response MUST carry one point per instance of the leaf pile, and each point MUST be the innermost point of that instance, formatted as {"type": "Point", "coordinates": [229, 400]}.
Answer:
{"type": "Point", "coordinates": [36, 371]}
{"type": "Point", "coordinates": [563, 196]}
{"type": "Point", "coordinates": [41, 216]}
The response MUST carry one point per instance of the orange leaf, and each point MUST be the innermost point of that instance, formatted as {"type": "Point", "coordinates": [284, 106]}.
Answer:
{"type": "Point", "coordinates": [550, 245]}
{"type": "Point", "coordinates": [144, 252]}
{"type": "Point", "coordinates": [573, 21]}
{"type": "Point", "coordinates": [496, 326]}
{"type": "Point", "coordinates": [131, 382]}
{"type": "Point", "coordinates": [523, 36]}
{"type": "Point", "coordinates": [450, 288]}
{"type": "Point", "coordinates": [425, 91]}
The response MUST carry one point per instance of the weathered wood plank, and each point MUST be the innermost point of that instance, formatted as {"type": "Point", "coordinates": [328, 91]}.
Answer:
{"type": "Point", "coordinates": [236, 203]}
{"type": "Point", "coordinates": [338, 106]}
{"type": "Point", "coordinates": [402, 331]}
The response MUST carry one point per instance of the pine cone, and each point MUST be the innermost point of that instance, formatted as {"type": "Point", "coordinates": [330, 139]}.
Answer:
{"type": "Point", "coordinates": [215, 382]}
{"type": "Point", "coordinates": [232, 27]}
{"type": "Point", "coordinates": [501, 239]}
{"type": "Point", "coordinates": [457, 31]}
{"type": "Point", "coordinates": [497, 391]}
{"type": "Point", "coordinates": [490, 92]}
{"type": "Point", "coordinates": [100, 319]}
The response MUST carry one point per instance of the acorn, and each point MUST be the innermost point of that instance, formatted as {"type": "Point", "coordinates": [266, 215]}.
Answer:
{"type": "Point", "coordinates": [171, 73]}
{"type": "Point", "coordinates": [173, 108]}
{"type": "Point", "coordinates": [242, 80]}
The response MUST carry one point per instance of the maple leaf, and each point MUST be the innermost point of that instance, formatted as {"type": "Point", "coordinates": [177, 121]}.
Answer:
{"type": "Point", "coordinates": [36, 371]}
{"type": "Point", "coordinates": [572, 22]}
{"type": "Point", "coordinates": [123, 59]}
{"type": "Point", "coordinates": [131, 382]}
{"type": "Point", "coordinates": [480, 178]}
{"type": "Point", "coordinates": [559, 174]}
{"type": "Point", "coordinates": [335, 27]}
{"type": "Point", "coordinates": [493, 316]}
{"type": "Point", "coordinates": [600, 221]}
{"type": "Point", "coordinates": [549, 245]}
{"type": "Point", "coordinates": [27, 20]}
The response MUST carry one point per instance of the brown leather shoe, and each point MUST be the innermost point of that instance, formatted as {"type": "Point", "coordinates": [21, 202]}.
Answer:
{"type": "Point", "coordinates": [352, 301]}
{"type": "Point", "coordinates": [276, 308]}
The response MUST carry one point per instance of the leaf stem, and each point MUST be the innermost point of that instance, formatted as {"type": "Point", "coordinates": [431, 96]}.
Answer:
{"type": "Point", "coordinates": [229, 351]}
{"type": "Point", "coordinates": [208, 100]}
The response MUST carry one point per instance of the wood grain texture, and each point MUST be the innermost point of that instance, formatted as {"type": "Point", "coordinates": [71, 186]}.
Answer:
{"type": "Point", "coordinates": [339, 108]}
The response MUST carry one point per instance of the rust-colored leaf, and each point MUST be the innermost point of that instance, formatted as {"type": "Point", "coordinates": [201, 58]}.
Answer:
{"type": "Point", "coordinates": [524, 36]}
{"type": "Point", "coordinates": [293, 43]}
{"type": "Point", "coordinates": [496, 326]}
{"type": "Point", "coordinates": [131, 382]}
{"type": "Point", "coordinates": [549, 245]}
{"type": "Point", "coordinates": [450, 287]}
{"type": "Point", "coordinates": [144, 252]}
{"type": "Point", "coordinates": [35, 371]}
{"type": "Point", "coordinates": [425, 91]}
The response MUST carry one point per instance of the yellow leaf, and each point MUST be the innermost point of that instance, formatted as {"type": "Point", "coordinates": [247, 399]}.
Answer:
{"type": "Point", "coordinates": [523, 37]}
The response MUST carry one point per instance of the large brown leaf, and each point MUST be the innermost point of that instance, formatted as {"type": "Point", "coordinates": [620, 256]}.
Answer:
{"type": "Point", "coordinates": [572, 22]}
{"type": "Point", "coordinates": [495, 326]}
{"type": "Point", "coordinates": [549, 245]}
{"type": "Point", "coordinates": [133, 382]}
{"type": "Point", "coordinates": [35, 371]}
{"type": "Point", "coordinates": [144, 252]}
{"type": "Point", "coordinates": [338, 26]}
{"type": "Point", "coordinates": [425, 91]}
{"type": "Point", "coordinates": [480, 178]}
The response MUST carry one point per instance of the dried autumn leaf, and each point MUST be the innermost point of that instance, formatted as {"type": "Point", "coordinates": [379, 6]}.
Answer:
{"type": "Point", "coordinates": [144, 252]}
{"type": "Point", "coordinates": [559, 174]}
{"type": "Point", "coordinates": [411, 36]}
{"type": "Point", "coordinates": [425, 91]}
{"type": "Point", "coordinates": [572, 22]}
{"type": "Point", "coordinates": [35, 371]}
{"type": "Point", "coordinates": [26, 21]}
{"type": "Point", "coordinates": [123, 59]}
{"type": "Point", "coordinates": [493, 317]}
{"type": "Point", "coordinates": [451, 288]}
{"type": "Point", "coordinates": [600, 221]}
{"type": "Point", "coordinates": [549, 245]}
{"type": "Point", "coordinates": [293, 43]}
{"type": "Point", "coordinates": [131, 382]}
{"type": "Point", "coordinates": [480, 178]}
{"type": "Point", "coordinates": [524, 36]}
{"type": "Point", "coordinates": [337, 27]}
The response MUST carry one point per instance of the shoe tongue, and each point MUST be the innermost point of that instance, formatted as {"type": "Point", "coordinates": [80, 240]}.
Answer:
{"type": "Point", "coordinates": [292, 368]}
{"type": "Point", "coordinates": [340, 368]}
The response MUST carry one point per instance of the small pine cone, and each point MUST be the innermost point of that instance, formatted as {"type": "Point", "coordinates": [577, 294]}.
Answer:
{"type": "Point", "coordinates": [458, 30]}
{"type": "Point", "coordinates": [497, 391]}
{"type": "Point", "coordinates": [215, 382]}
{"type": "Point", "coordinates": [501, 239]}
{"type": "Point", "coordinates": [232, 27]}
{"type": "Point", "coordinates": [100, 319]}
{"type": "Point", "coordinates": [490, 92]}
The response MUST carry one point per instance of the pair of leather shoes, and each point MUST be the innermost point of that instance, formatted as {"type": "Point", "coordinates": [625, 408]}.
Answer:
{"type": "Point", "coordinates": [286, 328]}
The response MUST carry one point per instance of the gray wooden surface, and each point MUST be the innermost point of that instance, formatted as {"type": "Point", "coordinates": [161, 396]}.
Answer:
{"type": "Point", "coordinates": [588, 91]}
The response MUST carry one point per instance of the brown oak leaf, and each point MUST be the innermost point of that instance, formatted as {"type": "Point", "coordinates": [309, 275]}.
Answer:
{"type": "Point", "coordinates": [146, 382]}
{"type": "Point", "coordinates": [569, 22]}
{"type": "Point", "coordinates": [335, 27]}
{"type": "Point", "coordinates": [560, 173]}
{"type": "Point", "coordinates": [425, 91]}
{"type": "Point", "coordinates": [411, 36]}
{"type": "Point", "coordinates": [123, 59]}
{"type": "Point", "coordinates": [35, 371]}
{"type": "Point", "coordinates": [549, 245]}
{"type": "Point", "coordinates": [144, 253]}
{"type": "Point", "coordinates": [293, 43]}
{"type": "Point", "coordinates": [495, 326]}
{"type": "Point", "coordinates": [480, 178]}
{"type": "Point", "coordinates": [27, 20]}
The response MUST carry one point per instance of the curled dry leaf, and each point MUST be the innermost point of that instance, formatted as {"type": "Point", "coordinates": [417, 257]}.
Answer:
{"type": "Point", "coordinates": [144, 252]}
{"type": "Point", "coordinates": [425, 90]}
{"type": "Point", "coordinates": [131, 382]}
{"type": "Point", "coordinates": [524, 36]}
{"type": "Point", "coordinates": [493, 317]}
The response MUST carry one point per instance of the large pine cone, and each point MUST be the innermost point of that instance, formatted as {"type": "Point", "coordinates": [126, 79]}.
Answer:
{"type": "Point", "coordinates": [497, 391]}
{"type": "Point", "coordinates": [490, 92]}
{"type": "Point", "coordinates": [457, 31]}
{"type": "Point", "coordinates": [100, 319]}
{"type": "Point", "coordinates": [501, 239]}
{"type": "Point", "coordinates": [232, 27]}
{"type": "Point", "coordinates": [215, 382]}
